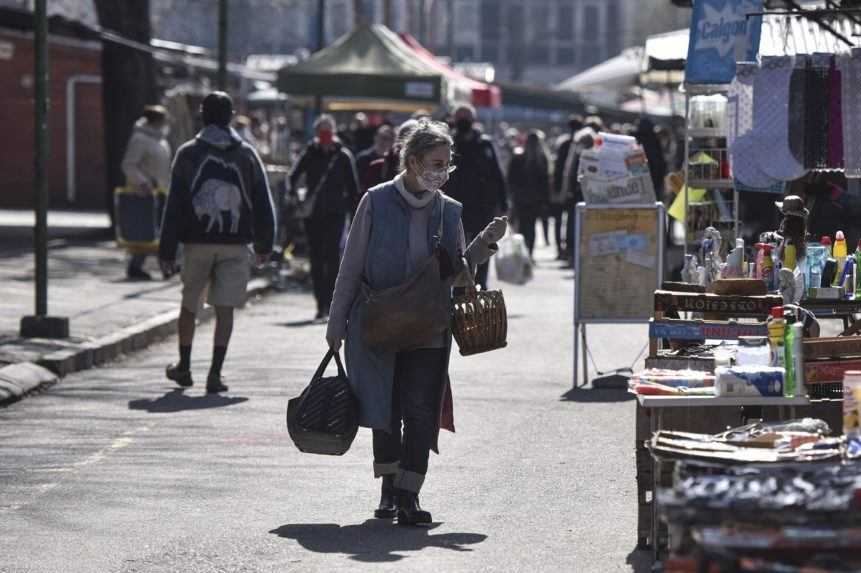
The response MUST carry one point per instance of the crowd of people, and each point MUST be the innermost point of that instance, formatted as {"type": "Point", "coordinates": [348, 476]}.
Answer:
{"type": "Point", "coordinates": [418, 208]}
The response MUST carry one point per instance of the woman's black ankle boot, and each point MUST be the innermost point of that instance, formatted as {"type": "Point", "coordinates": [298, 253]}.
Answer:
{"type": "Point", "coordinates": [388, 499]}
{"type": "Point", "coordinates": [409, 510]}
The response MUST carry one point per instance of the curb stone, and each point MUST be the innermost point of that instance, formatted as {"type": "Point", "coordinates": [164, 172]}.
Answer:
{"type": "Point", "coordinates": [19, 380]}
{"type": "Point", "coordinates": [26, 377]}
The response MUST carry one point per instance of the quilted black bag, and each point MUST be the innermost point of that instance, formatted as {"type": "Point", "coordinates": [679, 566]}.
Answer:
{"type": "Point", "coordinates": [324, 418]}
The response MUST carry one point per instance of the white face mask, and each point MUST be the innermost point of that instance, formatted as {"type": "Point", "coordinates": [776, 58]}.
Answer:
{"type": "Point", "coordinates": [433, 180]}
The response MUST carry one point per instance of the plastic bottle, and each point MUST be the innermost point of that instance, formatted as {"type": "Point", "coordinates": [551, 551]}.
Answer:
{"type": "Point", "coordinates": [760, 259]}
{"type": "Point", "coordinates": [816, 255]}
{"type": "Point", "coordinates": [825, 241]}
{"type": "Point", "coordinates": [789, 256]}
{"type": "Point", "coordinates": [789, 381]}
{"type": "Point", "coordinates": [851, 417]}
{"type": "Point", "coordinates": [768, 269]}
{"type": "Point", "coordinates": [840, 254]}
{"type": "Point", "coordinates": [776, 333]}
{"type": "Point", "coordinates": [798, 358]}
{"type": "Point", "coordinates": [847, 280]}
{"type": "Point", "coordinates": [858, 271]}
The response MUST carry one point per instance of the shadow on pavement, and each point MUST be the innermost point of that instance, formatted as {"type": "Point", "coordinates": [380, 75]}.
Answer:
{"type": "Point", "coordinates": [177, 401]}
{"type": "Point", "coordinates": [640, 560]}
{"type": "Point", "coordinates": [375, 540]}
{"type": "Point", "coordinates": [597, 395]}
{"type": "Point", "coordinates": [302, 323]}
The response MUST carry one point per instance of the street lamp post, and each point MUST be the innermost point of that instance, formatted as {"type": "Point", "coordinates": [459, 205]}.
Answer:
{"type": "Point", "coordinates": [222, 45]}
{"type": "Point", "coordinates": [40, 325]}
{"type": "Point", "coordinates": [321, 43]}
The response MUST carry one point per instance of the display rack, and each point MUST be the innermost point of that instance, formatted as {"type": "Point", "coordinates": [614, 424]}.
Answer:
{"type": "Point", "coordinates": [719, 208]}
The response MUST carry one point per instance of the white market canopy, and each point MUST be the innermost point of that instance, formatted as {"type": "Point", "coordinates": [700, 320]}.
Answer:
{"type": "Point", "coordinates": [615, 74]}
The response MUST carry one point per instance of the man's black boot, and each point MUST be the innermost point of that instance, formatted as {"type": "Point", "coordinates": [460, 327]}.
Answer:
{"type": "Point", "coordinates": [409, 510]}
{"type": "Point", "coordinates": [388, 499]}
{"type": "Point", "coordinates": [178, 375]}
{"type": "Point", "coordinates": [215, 384]}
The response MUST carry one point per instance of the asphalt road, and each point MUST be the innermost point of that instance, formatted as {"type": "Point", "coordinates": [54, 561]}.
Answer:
{"type": "Point", "coordinates": [114, 470]}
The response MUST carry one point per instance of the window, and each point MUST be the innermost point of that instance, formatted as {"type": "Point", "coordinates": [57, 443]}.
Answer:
{"type": "Point", "coordinates": [539, 34]}
{"type": "Point", "coordinates": [565, 23]}
{"type": "Point", "coordinates": [490, 20]}
{"type": "Point", "coordinates": [566, 56]}
{"type": "Point", "coordinates": [539, 54]}
{"type": "Point", "coordinates": [613, 32]}
{"type": "Point", "coordinates": [590, 25]}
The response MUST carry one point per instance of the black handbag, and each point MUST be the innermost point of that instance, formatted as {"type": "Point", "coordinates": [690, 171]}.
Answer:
{"type": "Point", "coordinates": [324, 418]}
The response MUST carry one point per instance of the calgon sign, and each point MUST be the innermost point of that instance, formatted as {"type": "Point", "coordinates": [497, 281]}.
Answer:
{"type": "Point", "coordinates": [721, 35]}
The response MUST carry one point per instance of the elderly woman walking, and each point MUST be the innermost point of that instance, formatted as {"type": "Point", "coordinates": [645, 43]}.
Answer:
{"type": "Point", "coordinates": [404, 394]}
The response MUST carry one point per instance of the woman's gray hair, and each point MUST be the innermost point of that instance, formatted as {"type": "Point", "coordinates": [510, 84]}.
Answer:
{"type": "Point", "coordinates": [324, 118]}
{"type": "Point", "coordinates": [424, 136]}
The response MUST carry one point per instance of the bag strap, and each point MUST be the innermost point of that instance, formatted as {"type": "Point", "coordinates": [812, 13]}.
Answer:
{"type": "Point", "coordinates": [441, 226]}
{"type": "Point", "coordinates": [325, 363]}
{"type": "Point", "coordinates": [325, 176]}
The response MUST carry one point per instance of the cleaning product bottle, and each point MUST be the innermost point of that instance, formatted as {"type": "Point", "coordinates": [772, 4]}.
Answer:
{"type": "Point", "coordinates": [847, 281]}
{"type": "Point", "coordinates": [768, 269]}
{"type": "Point", "coordinates": [798, 358]}
{"type": "Point", "coordinates": [760, 259]}
{"type": "Point", "coordinates": [776, 333]}
{"type": "Point", "coordinates": [858, 271]}
{"type": "Point", "coordinates": [840, 254]}
{"type": "Point", "coordinates": [789, 256]}
{"type": "Point", "coordinates": [825, 241]}
{"type": "Point", "coordinates": [788, 353]}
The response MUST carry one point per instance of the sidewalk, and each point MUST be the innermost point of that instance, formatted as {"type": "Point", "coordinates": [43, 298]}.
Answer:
{"type": "Point", "coordinates": [108, 314]}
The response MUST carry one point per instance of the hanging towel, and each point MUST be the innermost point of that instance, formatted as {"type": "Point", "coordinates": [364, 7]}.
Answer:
{"type": "Point", "coordinates": [817, 102]}
{"type": "Point", "coordinates": [771, 120]}
{"type": "Point", "coordinates": [850, 70]}
{"type": "Point", "coordinates": [797, 86]}
{"type": "Point", "coordinates": [740, 117]}
{"type": "Point", "coordinates": [835, 117]}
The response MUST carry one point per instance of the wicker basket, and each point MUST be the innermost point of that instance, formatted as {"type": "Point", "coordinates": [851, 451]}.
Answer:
{"type": "Point", "coordinates": [479, 321]}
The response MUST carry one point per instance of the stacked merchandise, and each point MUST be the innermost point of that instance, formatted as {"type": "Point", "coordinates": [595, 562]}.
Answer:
{"type": "Point", "coordinates": [780, 518]}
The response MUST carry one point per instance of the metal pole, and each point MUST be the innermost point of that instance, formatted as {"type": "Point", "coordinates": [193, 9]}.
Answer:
{"type": "Point", "coordinates": [222, 45]}
{"type": "Point", "coordinates": [321, 43]}
{"type": "Point", "coordinates": [40, 179]}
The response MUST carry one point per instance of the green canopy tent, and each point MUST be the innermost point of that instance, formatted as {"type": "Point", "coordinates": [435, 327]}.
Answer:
{"type": "Point", "coordinates": [371, 69]}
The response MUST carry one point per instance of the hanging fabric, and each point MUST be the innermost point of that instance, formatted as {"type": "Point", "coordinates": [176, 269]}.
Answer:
{"type": "Point", "coordinates": [835, 117]}
{"type": "Point", "coordinates": [739, 139]}
{"type": "Point", "coordinates": [850, 71]}
{"type": "Point", "coordinates": [797, 87]}
{"type": "Point", "coordinates": [816, 117]}
{"type": "Point", "coordinates": [771, 120]}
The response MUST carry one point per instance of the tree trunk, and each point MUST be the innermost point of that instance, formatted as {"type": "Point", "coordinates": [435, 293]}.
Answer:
{"type": "Point", "coordinates": [128, 81]}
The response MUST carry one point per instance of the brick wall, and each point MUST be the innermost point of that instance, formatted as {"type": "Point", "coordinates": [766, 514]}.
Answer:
{"type": "Point", "coordinates": [67, 59]}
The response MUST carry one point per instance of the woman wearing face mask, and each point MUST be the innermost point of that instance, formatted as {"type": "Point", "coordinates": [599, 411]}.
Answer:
{"type": "Point", "coordinates": [333, 186]}
{"type": "Point", "coordinates": [404, 396]}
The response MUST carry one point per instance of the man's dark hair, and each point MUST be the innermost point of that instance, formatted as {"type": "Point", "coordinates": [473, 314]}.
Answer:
{"type": "Point", "coordinates": [217, 109]}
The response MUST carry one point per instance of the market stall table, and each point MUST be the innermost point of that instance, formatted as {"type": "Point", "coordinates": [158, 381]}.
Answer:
{"type": "Point", "coordinates": [654, 406]}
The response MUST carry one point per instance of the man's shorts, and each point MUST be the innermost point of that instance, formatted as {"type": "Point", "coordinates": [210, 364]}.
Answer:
{"type": "Point", "coordinates": [225, 269]}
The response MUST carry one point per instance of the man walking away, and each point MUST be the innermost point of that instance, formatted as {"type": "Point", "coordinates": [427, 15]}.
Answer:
{"type": "Point", "coordinates": [146, 165]}
{"type": "Point", "coordinates": [478, 182]}
{"type": "Point", "coordinates": [219, 203]}
{"type": "Point", "coordinates": [333, 188]}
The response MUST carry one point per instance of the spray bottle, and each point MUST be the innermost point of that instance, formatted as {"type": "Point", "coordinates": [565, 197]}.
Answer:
{"type": "Point", "coordinates": [825, 241]}
{"type": "Point", "coordinates": [840, 254]}
{"type": "Point", "coordinates": [776, 334]}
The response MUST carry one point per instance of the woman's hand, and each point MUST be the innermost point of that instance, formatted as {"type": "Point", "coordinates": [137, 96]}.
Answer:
{"type": "Point", "coordinates": [334, 342]}
{"type": "Point", "coordinates": [495, 230]}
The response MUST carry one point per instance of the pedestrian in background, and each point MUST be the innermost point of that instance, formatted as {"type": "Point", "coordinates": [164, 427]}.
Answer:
{"type": "Point", "coordinates": [385, 168]}
{"type": "Point", "coordinates": [395, 232]}
{"type": "Point", "coordinates": [477, 182]}
{"type": "Point", "coordinates": [219, 204]}
{"type": "Point", "coordinates": [564, 191]}
{"type": "Point", "coordinates": [333, 189]}
{"type": "Point", "coordinates": [529, 184]}
{"type": "Point", "coordinates": [146, 165]}
{"type": "Point", "coordinates": [384, 138]}
{"type": "Point", "coordinates": [648, 138]}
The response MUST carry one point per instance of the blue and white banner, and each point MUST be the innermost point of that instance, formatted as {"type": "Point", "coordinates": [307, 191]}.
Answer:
{"type": "Point", "coordinates": [721, 35]}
